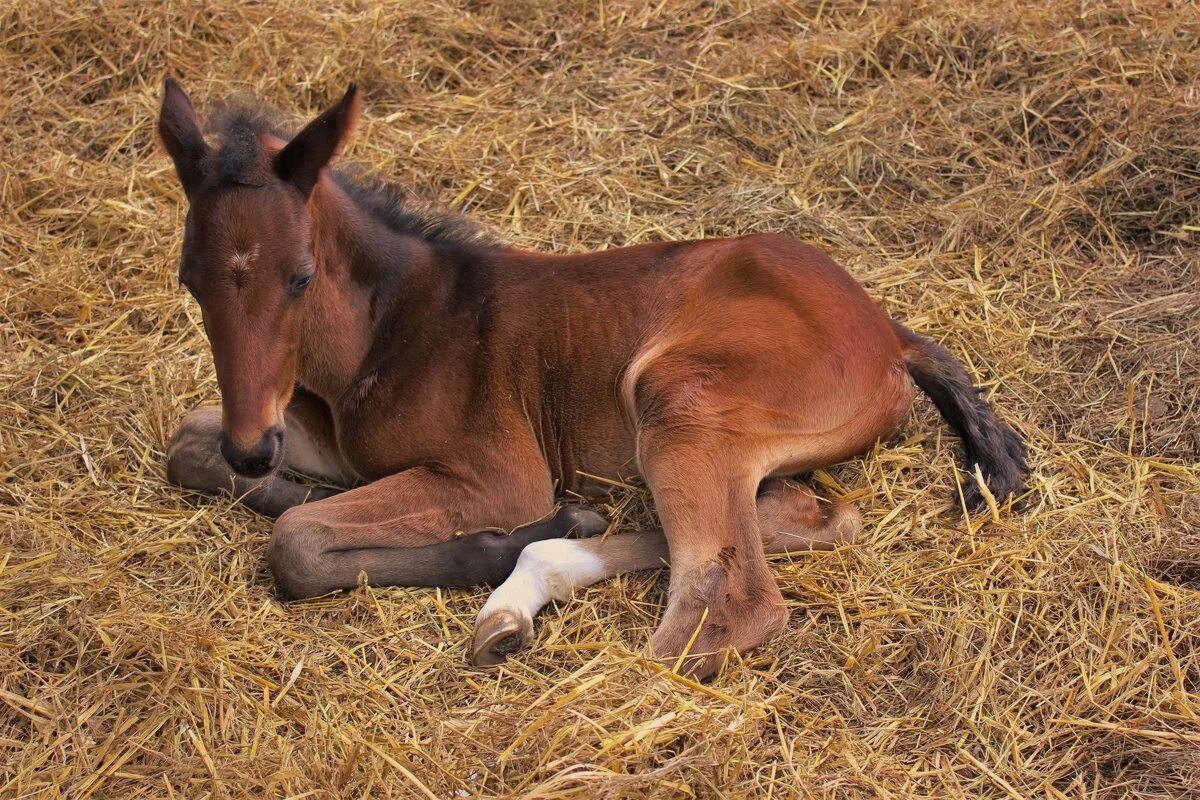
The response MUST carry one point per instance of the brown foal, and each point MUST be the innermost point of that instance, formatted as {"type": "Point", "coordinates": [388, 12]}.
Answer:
{"type": "Point", "coordinates": [451, 384]}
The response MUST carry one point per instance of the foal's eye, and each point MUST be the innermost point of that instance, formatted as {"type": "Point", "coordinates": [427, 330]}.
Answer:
{"type": "Point", "coordinates": [300, 283]}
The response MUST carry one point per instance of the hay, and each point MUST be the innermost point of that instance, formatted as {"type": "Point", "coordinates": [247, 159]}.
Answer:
{"type": "Point", "coordinates": [1020, 182]}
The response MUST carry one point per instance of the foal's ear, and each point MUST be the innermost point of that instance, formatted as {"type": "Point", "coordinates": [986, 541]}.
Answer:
{"type": "Point", "coordinates": [180, 132]}
{"type": "Point", "coordinates": [301, 161]}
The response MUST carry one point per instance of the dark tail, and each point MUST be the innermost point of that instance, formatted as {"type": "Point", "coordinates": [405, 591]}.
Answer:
{"type": "Point", "coordinates": [988, 442]}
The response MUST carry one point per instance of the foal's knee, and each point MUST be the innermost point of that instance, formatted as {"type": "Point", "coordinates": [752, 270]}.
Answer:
{"type": "Point", "coordinates": [193, 454]}
{"type": "Point", "coordinates": [295, 553]}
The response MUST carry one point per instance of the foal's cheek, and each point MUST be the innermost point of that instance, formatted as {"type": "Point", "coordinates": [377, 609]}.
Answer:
{"type": "Point", "coordinates": [206, 328]}
{"type": "Point", "coordinates": [286, 377]}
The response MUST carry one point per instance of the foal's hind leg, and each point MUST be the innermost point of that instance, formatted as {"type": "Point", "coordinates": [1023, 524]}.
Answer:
{"type": "Point", "coordinates": [790, 517]}
{"type": "Point", "coordinates": [722, 593]}
{"type": "Point", "coordinates": [194, 460]}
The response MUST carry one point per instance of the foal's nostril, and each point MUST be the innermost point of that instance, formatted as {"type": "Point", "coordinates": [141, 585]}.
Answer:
{"type": "Point", "coordinates": [258, 460]}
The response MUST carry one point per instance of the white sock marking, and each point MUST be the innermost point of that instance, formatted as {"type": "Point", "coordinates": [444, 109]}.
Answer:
{"type": "Point", "coordinates": [547, 570]}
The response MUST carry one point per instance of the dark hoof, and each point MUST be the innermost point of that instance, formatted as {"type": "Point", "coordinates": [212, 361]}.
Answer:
{"type": "Point", "coordinates": [498, 637]}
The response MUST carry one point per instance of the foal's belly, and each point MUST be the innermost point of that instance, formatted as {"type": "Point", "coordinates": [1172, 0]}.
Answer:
{"type": "Point", "coordinates": [595, 460]}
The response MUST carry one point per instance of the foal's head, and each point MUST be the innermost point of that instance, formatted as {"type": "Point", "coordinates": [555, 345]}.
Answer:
{"type": "Point", "coordinates": [248, 260]}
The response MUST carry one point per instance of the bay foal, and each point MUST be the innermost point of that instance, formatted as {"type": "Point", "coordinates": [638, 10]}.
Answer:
{"type": "Point", "coordinates": [451, 385]}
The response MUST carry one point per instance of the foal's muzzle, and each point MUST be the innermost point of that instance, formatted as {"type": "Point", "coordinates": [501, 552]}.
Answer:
{"type": "Point", "coordinates": [260, 459]}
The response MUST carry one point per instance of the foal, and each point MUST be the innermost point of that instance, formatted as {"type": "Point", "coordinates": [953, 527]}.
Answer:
{"type": "Point", "coordinates": [451, 384]}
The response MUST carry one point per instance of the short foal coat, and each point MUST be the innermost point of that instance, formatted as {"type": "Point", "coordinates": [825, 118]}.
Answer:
{"type": "Point", "coordinates": [456, 385]}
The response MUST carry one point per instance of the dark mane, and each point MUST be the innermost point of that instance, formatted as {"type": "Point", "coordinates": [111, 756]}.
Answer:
{"type": "Point", "coordinates": [240, 159]}
{"type": "Point", "coordinates": [404, 213]}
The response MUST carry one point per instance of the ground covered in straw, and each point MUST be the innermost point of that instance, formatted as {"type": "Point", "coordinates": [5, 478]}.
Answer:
{"type": "Point", "coordinates": [1021, 184]}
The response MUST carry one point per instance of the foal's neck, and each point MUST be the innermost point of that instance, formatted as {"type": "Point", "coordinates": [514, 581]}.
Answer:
{"type": "Point", "coordinates": [356, 258]}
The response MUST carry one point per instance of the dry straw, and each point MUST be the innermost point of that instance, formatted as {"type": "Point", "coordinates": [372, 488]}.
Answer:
{"type": "Point", "coordinates": [1021, 181]}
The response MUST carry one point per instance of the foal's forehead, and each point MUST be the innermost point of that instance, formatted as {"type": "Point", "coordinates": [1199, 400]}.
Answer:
{"type": "Point", "coordinates": [245, 219]}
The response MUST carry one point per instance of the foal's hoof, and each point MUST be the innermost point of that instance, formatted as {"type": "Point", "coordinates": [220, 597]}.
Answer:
{"type": "Point", "coordinates": [580, 522]}
{"type": "Point", "coordinates": [498, 637]}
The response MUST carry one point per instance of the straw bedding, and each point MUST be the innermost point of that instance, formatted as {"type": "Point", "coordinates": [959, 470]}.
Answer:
{"type": "Point", "coordinates": [1020, 181]}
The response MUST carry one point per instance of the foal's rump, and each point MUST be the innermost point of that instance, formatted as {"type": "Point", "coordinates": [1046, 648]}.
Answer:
{"type": "Point", "coordinates": [774, 348]}
{"type": "Point", "coordinates": [851, 360]}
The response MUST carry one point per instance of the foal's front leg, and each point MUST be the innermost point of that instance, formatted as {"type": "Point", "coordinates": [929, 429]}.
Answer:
{"type": "Point", "coordinates": [390, 531]}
